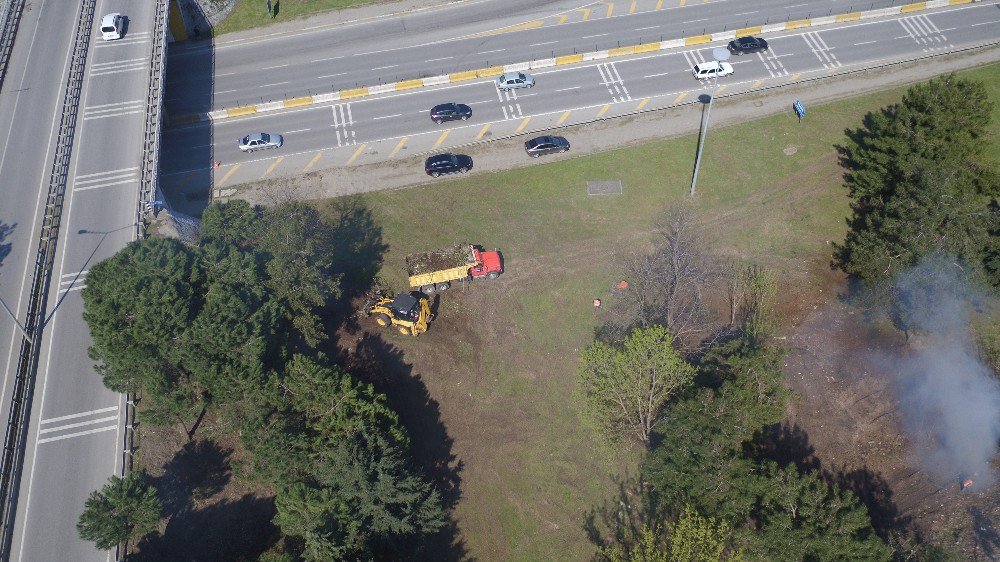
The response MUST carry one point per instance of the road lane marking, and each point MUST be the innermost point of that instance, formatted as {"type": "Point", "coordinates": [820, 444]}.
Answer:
{"type": "Point", "coordinates": [655, 75]}
{"type": "Point", "coordinates": [389, 116]}
{"type": "Point", "coordinates": [275, 84]}
{"type": "Point", "coordinates": [540, 44]}
{"type": "Point", "coordinates": [611, 8]}
{"type": "Point", "coordinates": [794, 76]}
{"type": "Point", "coordinates": [440, 140]}
{"type": "Point", "coordinates": [328, 75]}
{"type": "Point", "coordinates": [356, 153]}
{"type": "Point", "coordinates": [756, 84]}
{"type": "Point", "coordinates": [563, 117]}
{"type": "Point", "coordinates": [313, 161]}
{"type": "Point", "coordinates": [631, 8]}
{"type": "Point", "coordinates": [593, 36]}
{"type": "Point", "coordinates": [81, 433]}
{"type": "Point", "coordinates": [482, 131]}
{"type": "Point", "coordinates": [493, 51]}
{"type": "Point", "coordinates": [297, 131]}
{"type": "Point", "coordinates": [272, 167]}
{"type": "Point", "coordinates": [865, 43]}
{"type": "Point", "coordinates": [604, 110]}
{"type": "Point", "coordinates": [229, 173]}
{"type": "Point", "coordinates": [720, 88]}
{"type": "Point", "coordinates": [679, 98]}
{"type": "Point", "coordinates": [568, 89]}
{"type": "Point", "coordinates": [645, 28]}
{"type": "Point", "coordinates": [523, 124]}
{"type": "Point", "coordinates": [563, 18]}
{"type": "Point", "coordinates": [659, 4]}
{"type": "Point", "coordinates": [642, 104]}
{"type": "Point", "coordinates": [399, 146]}
{"type": "Point", "coordinates": [385, 67]}
{"type": "Point", "coordinates": [315, 60]}
{"type": "Point", "coordinates": [81, 414]}
{"type": "Point", "coordinates": [586, 13]}
{"type": "Point", "coordinates": [81, 176]}
{"type": "Point", "coordinates": [442, 58]}
{"type": "Point", "coordinates": [79, 424]}
{"type": "Point", "coordinates": [276, 66]}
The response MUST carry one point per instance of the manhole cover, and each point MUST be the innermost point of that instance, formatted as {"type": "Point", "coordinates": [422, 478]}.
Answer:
{"type": "Point", "coordinates": [608, 187]}
{"type": "Point", "coordinates": [790, 151]}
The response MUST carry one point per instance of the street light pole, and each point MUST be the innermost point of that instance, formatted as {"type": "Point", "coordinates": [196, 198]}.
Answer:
{"type": "Point", "coordinates": [16, 323]}
{"type": "Point", "coordinates": [720, 54]}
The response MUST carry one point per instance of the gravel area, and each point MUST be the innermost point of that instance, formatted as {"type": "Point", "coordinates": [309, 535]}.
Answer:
{"type": "Point", "coordinates": [615, 133]}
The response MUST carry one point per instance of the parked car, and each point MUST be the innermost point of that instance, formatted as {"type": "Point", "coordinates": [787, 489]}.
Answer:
{"type": "Point", "coordinates": [744, 45]}
{"type": "Point", "coordinates": [450, 112]}
{"type": "Point", "coordinates": [447, 163]}
{"type": "Point", "coordinates": [540, 146]}
{"type": "Point", "coordinates": [514, 81]}
{"type": "Point", "coordinates": [712, 69]}
{"type": "Point", "coordinates": [112, 27]}
{"type": "Point", "coordinates": [260, 141]}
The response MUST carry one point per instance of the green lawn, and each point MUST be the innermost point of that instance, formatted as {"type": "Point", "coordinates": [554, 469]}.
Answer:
{"type": "Point", "coordinates": [250, 14]}
{"type": "Point", "coordinates": [501, 358]}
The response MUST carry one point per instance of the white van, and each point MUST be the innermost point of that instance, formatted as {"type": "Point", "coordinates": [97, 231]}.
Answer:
{"type": "Point", "coordinates": [712, 69]}
{"type": "Point", "coordinates": [112, 26]}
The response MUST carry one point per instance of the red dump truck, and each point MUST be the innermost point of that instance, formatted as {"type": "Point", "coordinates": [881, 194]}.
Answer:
{"type": "Point", "coordinates": [435, 271]}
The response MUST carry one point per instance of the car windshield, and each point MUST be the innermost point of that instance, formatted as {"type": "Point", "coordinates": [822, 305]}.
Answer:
{"type": "Point", "coordinates": [453, 159]}
{"type": "Point", "coordinates": [265, 137]}
{"type": "Point", "coordinates": [107, 29]}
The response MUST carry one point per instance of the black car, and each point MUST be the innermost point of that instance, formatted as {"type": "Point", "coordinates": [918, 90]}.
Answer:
{"type": "Point", "coordinates": [539, 146]}
{"type": "Point", "coordinates": [450, 112]}
{"type": "Point", "coordinates": [447, 164]}
{"type": "Point", "coordinates": [744, 45]}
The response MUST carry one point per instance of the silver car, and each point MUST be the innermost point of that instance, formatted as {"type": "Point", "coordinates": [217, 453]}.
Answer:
{"type": "Point", "coordinates": [259, 141]}
{"type": "Point", "coordinates": [515, 80]}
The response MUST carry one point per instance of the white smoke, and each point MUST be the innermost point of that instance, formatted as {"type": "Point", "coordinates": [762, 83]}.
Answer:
{"type": "Point", "coordinates": [949, 399]}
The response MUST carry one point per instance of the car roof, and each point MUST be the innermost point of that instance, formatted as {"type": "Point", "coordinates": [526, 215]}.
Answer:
{"type": "Point", "coordinates": [255, 136]}
{"type": "Point", "coordinates": [449, 105]}
{"type": "Point", "coordinates": [404, 302]}
{"type": "Point", "coordinates": [447, 156]}
{"type": "Point", "coordinates": [109, 20]}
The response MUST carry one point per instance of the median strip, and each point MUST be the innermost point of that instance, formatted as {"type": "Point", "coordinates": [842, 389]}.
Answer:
{"type": "Point", "coordinates": [492, 71]}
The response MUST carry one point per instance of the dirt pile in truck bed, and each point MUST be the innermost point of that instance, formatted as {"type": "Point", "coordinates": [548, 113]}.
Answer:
{"type": "Point", "coordinates": [446, 258]}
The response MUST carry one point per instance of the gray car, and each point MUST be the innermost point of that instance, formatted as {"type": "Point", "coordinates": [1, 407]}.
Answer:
{"type": "Point", "coordinates": [515, 80]}
{"type": "Point", "coordinates": [260, 141]}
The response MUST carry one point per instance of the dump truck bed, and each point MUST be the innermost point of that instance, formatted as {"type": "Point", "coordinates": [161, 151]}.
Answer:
{"type": "Point", "coordinates": [440, 260]}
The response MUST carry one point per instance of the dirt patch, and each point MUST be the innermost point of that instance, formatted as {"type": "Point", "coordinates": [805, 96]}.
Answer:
{"type": "Point", "coordinates": [845, 422]}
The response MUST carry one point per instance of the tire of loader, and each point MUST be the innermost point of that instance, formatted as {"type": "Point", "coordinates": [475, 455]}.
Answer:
{"type": "Point", "coordinates": [427, 289]}
{"type": "Point", "coordinates": [493, 275]}
{"type": "Point", "coordinates": [382, 319]}
{"type": "Point", "coordinates": [443, 286]}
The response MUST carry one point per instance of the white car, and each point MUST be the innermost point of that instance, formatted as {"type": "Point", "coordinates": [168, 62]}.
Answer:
{"type": "Point", "coordinates": [112, 27]}
{"type": "Point", "coordinates": [514, 81]}
{"type": "Point", "coordinates": [712, 69]}
{"type": "Point", "coordinates": [260, 141]}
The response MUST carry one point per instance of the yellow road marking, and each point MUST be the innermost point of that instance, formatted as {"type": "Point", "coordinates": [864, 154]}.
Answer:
{"type": "Point", "coordinates": [357, 152]}
{"type": "Point", "coordinates": [794, 76]}
{"type": "Point", "coordinates": [642, 104]}
{"type": "Point", "coordinates": [604, 109]}
{"type": "Point", "coordinates": [611, 8]}
{"type": "Point", "coordinates": [586, 13]}
{"type": "Point", "coordinates": [229, 173]}
{"type": "Point", "coordinates": [563, 117]}
{"type": "Point", "coordinates": [631, 9]}
{"type": "Point", "coordinates": [680, 97]}
{"type": "Point", "coordinates": [659, 4]}
{"type": "Point", "coordinates": [440, 140]}
{"type": "Point", "coordinates": [482, 131]}
{"type": "Point", "coordinates": [272, 167]}
{"type": "Point", "coordinates": [523, 125]}
{"type": "Point", "coordinates": [313, 161]}
{"type": "Point", "coordinates": [682, 3]}
{"type": "Point", "coordinates": [563, 18]}
{"type": "Point", "coordinates": [402, 141]}
{"type": "Point", "coordinates": [755, 84]}
{"type": "Point", "coordinates": [722, 87]}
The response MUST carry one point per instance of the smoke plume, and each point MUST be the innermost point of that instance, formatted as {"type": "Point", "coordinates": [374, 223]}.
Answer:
{"type": "Point", "coordinates": [949, 399]}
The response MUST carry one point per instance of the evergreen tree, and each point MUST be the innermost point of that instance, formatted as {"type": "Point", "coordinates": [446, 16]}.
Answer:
{"type": "Point", "coordinates": [124, 509]}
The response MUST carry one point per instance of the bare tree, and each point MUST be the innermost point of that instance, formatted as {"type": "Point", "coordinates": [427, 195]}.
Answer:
{"type": "Point", "coordinates": [666, 284]}
{"type": "Point", "coordinates": [751, 291]}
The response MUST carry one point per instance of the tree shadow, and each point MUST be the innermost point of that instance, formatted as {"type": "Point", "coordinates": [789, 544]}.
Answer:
{"type": "Point", "coordinates": [198, 471]}
{"type": "Point", "coordinates": [621, 520]}
{"type": "Point", "coordinates": [785, 444]}
{"type": "Point", "coordinates": [876, 493]}
{"type": "Point", "coordinates": [381, 363]}
{"type": "Point", "coordinates": [984, 533]}
{"type": "Point", "coordinates": [5, 247]}
{"type": "Point", "coordinates": [227, 530]}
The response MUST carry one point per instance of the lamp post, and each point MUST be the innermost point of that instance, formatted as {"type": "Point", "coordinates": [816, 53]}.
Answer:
{"type": "Point", "coordinates": [16, 323]}
{"type": "Point", "coordinates": [720, 54]}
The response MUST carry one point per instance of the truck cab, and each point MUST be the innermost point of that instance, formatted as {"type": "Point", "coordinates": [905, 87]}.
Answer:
{"type": "Point", "coordinates": [488, 264]}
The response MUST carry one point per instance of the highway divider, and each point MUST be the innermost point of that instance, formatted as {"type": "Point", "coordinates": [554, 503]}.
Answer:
{"type": "Point", "coordinates": [493, 71]}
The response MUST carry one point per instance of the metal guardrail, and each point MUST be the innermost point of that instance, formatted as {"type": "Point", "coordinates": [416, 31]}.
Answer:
{"type": "Point", "coordinates": [10, 17]}
{"type": "Point", "coordinates": [20, 406]}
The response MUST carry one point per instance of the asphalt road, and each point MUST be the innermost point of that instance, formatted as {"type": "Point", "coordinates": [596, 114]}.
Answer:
{"type": "Point", "coordinates": [74, 437]}
{"type": "Point", "coordinates": [462, 37]}
{"type": "Point", "coordinates": [397, 125]}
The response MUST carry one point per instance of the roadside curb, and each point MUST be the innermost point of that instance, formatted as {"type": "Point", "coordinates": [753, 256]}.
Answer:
{"type": "Point", "coordinates": [354, 93]}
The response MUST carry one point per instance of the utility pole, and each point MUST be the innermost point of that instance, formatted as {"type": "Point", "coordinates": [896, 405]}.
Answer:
{"type": "Point", "coordinates": [720, 54]}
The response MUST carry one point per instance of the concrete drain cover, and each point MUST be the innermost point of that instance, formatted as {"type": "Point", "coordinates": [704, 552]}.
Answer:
{"type": "Point", "coordinates": [612, 187]}
{"type": "Point", "coordinates": [790, 150]}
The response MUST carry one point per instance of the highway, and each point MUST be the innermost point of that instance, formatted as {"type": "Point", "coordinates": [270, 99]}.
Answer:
{"type": "Point", "coordinates": [74, 437]}
{"type": "Point", "coordinates": [395, 126]}
{"type": "Point", "coordinates": [461, 37]}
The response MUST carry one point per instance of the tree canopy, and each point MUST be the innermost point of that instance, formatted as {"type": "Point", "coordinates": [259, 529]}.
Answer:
{"type": "Point", "coordinates": [124, 509]}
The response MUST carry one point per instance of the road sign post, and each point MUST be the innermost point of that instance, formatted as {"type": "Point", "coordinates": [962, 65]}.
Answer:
{"type": "Point", "coordinates": [800, 110]}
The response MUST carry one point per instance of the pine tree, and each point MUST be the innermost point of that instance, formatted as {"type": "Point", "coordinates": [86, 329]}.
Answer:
{"type": "Point", "coordinates": [124, 509]}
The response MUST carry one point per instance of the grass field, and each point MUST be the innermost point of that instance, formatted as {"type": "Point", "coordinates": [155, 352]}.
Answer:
{"type": "Point", "coordinates": [250, 14]}
{"type": "Point", "coordinates": [501, 358]}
